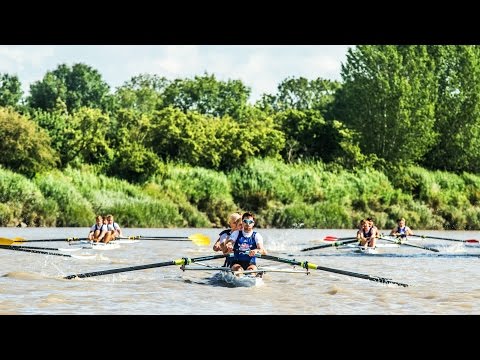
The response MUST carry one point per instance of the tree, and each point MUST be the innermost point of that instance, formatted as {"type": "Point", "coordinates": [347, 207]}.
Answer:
{"type": "Point", "coordinates": [143, 93]}
{"type": "Point", "coordinates": [25, 147]}
{"type": "Point", "coordinates": [10, 90]}
{"type": "Point", "coordinates": [78, 86]}
{"type": "Point", "coordinates": [302, 94]}
{"type": "Point", "coordinates": [221, 144]}
{"type": "Point", "coordinates": [388, 97]}
{"type": "Point", "coordinates": [208, 96]}
{"type": "Point", "coordinates": [305, 135]}
{"type": "Point", "coordinates": [457, 110]}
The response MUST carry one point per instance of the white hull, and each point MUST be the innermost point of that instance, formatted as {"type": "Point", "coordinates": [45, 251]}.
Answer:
{"type": "Point", "coordinates": [370, 250]}
{"type": "Point", "coordinates": [125, 241]}
{"type": "Point", "coordinates": [84, 244]}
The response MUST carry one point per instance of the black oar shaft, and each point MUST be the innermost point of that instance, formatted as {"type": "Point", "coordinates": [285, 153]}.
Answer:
{"type": "Point", "coordinates": [411, 245]}
{"type": "Point", "coordinates": [6, 247]}
{"type": "Point", "coordinates": [164, 239]}
{"type": "Point", "coordinates": [336, 243]}
{"type": "Point", "coordinates": [362, 276]}
{"type": "Point", "coordinates": [143, 267]}
{"type": "Point", "coordinates": [114, 271]}
{"type": "Point", "coordinates": [438, 238]}
{"type": "Point", "coordinates": [48, 240]}
{"type": "Point", "coordinates": [342, 272]}
{"type": "Point", "coordinates": [34, 247]}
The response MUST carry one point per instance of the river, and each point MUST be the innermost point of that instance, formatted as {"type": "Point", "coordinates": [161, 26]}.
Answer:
{"type": "Point", "coordinates": [441, 283]}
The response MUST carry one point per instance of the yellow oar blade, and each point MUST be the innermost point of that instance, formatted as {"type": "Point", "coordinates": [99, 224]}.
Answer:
{"type": "Point", "coordinates": [200, 239]}
{"type": "Point", "coordinates": [7, 241]}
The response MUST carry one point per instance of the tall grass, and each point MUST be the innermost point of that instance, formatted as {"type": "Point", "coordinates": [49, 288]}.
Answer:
{"type": "Point", "coordinates": [304, 194]}
{"type": "Point", "coordinates": [72, 208]}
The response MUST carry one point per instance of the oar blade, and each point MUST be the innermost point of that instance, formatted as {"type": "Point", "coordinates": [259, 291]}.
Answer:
{"type": "Point", "coordinates": [200, 239]}
{"type": "Point", "coordinates": [330, 238]}
{"type": "Point", "coordinates": [335, 238]}
{"type": "Point", "coordinates": [7, 241]}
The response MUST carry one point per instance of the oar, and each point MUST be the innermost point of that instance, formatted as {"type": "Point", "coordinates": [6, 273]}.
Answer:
{"type": "Point", "coordinates": [441, 238]}
{"type": "Point", "coordinates": [182, 261]}
{"type": "Point", "coordinates": [73, 248]}
{"type": "Point", "coordinates": [337, 243]}
{"type": "Point", "coordinates": [197, 239]}
{"type": "Point", "coordinates": [411, 245]}
{"type": "Point", "coordinates": [334, 238]}
{"type": "Point", "coordinates": [6, 247]}
{"type": "Point", "coordinates": [7, 241]}
{"type": "Point", "coordinates": [309, 265]}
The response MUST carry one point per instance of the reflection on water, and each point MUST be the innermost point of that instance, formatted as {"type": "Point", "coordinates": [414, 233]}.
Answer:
{"type": "Point", "coordinates": [447, 282]}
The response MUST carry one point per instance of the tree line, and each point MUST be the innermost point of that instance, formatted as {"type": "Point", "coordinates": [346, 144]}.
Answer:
{"type": "Point", "coordinates": [396, 106]}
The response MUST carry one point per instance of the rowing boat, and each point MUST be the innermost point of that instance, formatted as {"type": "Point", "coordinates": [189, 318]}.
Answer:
{"type": "Point", "coordinates": [125, 241]}
{"type": "Point", "coordinates": [87, 244]}
{"type": "Point", "coordinates": [247, 278]}
{"type": "Point", "coordinates": [368, 250]}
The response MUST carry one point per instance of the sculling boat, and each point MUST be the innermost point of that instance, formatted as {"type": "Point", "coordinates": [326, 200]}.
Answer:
{"type": "Point", "coordinates": [247, 278]}
{"type": "Point", "coordinates": [369, 250]}
{"type": "Point", "coordinates": [87, 244]}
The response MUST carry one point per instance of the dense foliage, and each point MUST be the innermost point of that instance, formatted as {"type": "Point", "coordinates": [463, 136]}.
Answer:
{"type": "Point", "coordinates": [400, 112]}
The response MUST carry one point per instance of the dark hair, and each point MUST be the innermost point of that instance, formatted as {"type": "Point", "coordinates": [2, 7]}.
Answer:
{"type": "Point", "coordinates": [248, 214]}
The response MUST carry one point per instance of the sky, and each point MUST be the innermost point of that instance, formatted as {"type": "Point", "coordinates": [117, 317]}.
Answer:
{"type": "Point", "coordinates": [260, 67]}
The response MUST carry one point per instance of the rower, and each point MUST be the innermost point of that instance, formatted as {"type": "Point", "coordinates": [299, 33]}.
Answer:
{"type": "Point", "coordinates": [96, 228]}
{"type": "Point", "coordinates": [401, 230]}
{"type": "Point", "coordinates": [367, 233]}
{"type": "Point", "coordinates": [245, 245]}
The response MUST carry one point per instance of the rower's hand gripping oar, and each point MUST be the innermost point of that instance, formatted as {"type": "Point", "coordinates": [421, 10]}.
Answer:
{"type": "Point", "coordinates": [309, 265]}
{"type": "Point", "coordinates": [182, 261]}
{"type": "Point", "coordinates": [399, 241]}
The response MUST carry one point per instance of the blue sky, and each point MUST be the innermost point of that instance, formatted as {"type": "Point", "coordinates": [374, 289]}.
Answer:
{"type": "Point", "coordinates": [261, 67]}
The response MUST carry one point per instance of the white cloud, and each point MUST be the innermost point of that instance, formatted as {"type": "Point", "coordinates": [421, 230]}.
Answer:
{"type": "Point", "coordinates": [260, 67]}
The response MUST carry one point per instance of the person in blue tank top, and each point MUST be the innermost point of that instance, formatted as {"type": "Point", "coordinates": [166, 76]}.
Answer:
{"type": "Point", "coordinates": [401, 230]}
{"type": "Point", "coordinates": [367, 234]}
{"type": "Point", "coordinates": [245, 244]}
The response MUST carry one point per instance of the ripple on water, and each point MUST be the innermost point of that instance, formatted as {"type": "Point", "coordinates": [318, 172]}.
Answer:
{"type": "Point", "coordinates": [23, 275]}
{"type": "Point", "coordinates": [52, 299]}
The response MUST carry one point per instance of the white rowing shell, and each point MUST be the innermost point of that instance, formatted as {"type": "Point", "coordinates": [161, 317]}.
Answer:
{"type": "Point", "coordinates": [84, 244]}
{"type": "Point", "coordinates": [125, 241]}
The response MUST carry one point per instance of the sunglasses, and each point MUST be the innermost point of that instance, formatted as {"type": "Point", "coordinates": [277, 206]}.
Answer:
{"type": "Point", "coordinates": [248, 221]}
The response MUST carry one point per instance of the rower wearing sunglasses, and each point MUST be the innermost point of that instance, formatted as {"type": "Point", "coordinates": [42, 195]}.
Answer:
{"type": "Point", "coordinates": [245, 244]}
